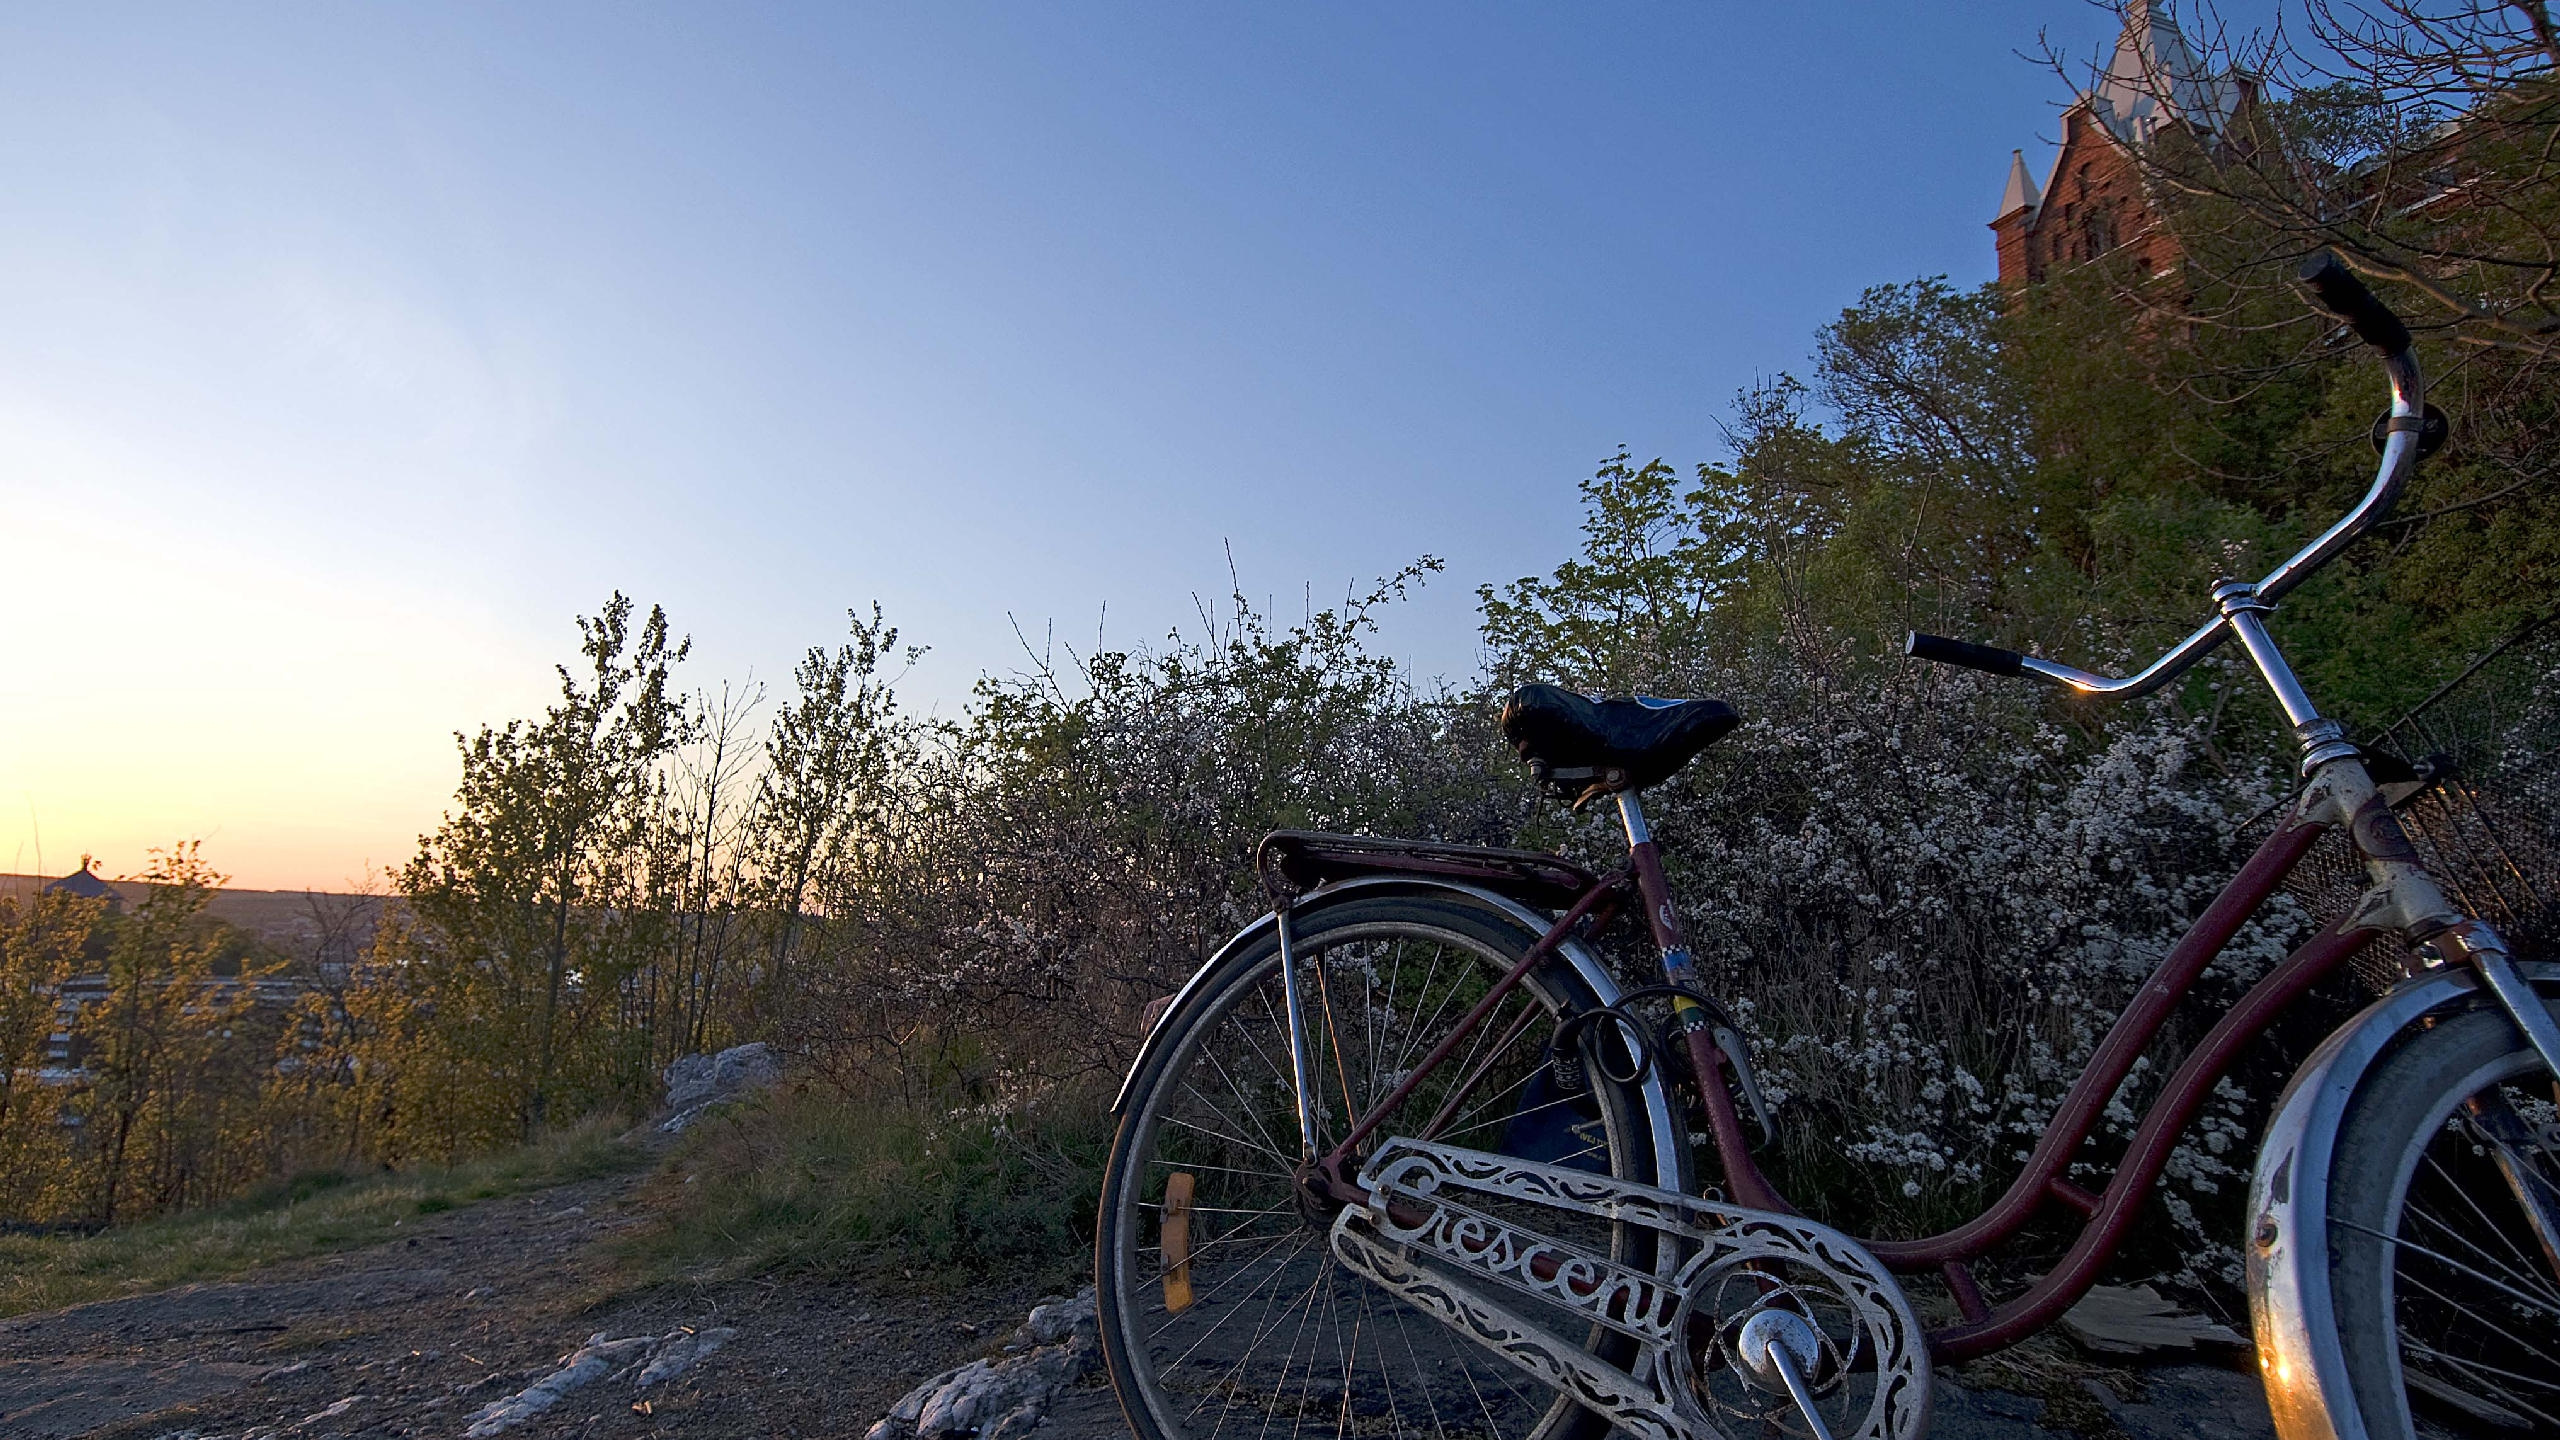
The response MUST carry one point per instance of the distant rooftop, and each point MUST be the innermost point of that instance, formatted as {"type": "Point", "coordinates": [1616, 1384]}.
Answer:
{"type": "Point", "coordinates": [2154, 80]}
{"type": "Point", "coordinates": [84, 882]}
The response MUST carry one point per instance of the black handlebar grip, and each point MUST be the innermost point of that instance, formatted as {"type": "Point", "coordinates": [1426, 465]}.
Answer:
{"type": "Point", "coordinates": [1964, 652]}
{"type": "Point", "coordinates": [2335, 288]}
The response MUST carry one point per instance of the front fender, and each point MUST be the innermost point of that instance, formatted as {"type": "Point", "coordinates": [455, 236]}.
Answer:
{"type": "Point", "coordinates": [2288, 1242]}
{"type": "Point", "coordinates": [1670, 1137]}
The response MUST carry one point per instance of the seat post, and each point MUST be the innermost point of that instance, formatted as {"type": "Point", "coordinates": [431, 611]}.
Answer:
{"type": "Point", "coordinates": [1632, 812]}
{"type": "Point", "coordinates": [1644, 858]}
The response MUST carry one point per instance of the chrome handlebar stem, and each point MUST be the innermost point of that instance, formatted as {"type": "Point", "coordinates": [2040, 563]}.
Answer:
{"type": "Point", "coordinates": [2399, 461]}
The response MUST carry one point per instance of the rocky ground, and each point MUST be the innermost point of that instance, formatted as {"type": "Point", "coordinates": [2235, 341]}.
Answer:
{"type": "Point", "coordinates": [414, 1337]}
{"type": "Point", "coordinates": [419, 1337]}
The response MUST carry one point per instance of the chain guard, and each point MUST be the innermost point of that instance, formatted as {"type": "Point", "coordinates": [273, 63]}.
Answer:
{"type": "Point", "coordinates": [1422, 1238]}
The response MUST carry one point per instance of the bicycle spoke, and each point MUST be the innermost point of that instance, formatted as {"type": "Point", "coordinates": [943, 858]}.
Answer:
{"type": "Point", "coordinates": [1222, 1135]}
{"type": "Point", "coordinates": [1414, 1039]}
{"type": "Point", "coordinates": [1214, 1292]}
{"type": "Point", "coordinates": [1278, 1341]}
{"type": "Point", "coordinates": [1522, 1083]}
{"type": "Point", "coordinates": [2475, 1272]}
{"type": "Point", "coordinates": [1233, 1236]}
{"type": "Point", "coordinates": [1421, 1381]}
{"type": "Point", "coordinates": [2474, 1372]}
{"type": "Point", "coordinates": [1266, 1331]}
{"type": "Point", "coordinates": [1270, 1143]}
{"type": "Point", "coordinates": [1218, 1169]}
{"type": "Point", "coordinates": [2525, 1270]}
{"type": "Point", "coordinates": [1369, 1036]}
{"type": "Point", "coordinates": [2470, 1315]}
{"type": "Point", "coordinates": [2483, 1368]}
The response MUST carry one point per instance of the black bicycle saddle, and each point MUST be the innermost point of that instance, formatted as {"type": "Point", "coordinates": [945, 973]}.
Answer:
{"type": "Point", "coordinates": [1576, 742]}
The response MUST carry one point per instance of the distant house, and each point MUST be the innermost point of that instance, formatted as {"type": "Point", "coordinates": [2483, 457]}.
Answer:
{"type": "Point", "coordinates": [85, 884]}
{"type": "Point", "coordinates": [327, 933]}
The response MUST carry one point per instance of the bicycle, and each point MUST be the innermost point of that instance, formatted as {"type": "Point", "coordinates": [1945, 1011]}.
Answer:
{"type": "Point", "coordinates": [1403, 1158]}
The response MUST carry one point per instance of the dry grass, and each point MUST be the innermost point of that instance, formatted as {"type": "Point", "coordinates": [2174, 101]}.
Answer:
{"type": "Point", "coordinates": [308, 1214]}
{"type": "Point", "coordinates": [805, 1178]}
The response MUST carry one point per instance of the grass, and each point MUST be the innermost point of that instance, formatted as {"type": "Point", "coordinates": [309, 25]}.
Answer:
{"type": "Point", "coordinates": [806, 1179]}
{"type": "Point", "coordinates": [307, 1214]}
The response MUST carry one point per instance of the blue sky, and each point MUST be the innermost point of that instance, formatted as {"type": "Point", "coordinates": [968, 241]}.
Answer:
{"type": "Point", "coordinates": [350, 351]}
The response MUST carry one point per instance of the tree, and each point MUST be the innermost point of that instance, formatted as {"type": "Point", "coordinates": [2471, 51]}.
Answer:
{"type": "Point", "coordinates": [164, 1079]}
{"type": "Point", "coordinates": [536, 900]}
{"type": "Point", "coordinates": [832, 774]}
{"type": "Point", "coordinates": [42, 939]}
{"type": "Point", "coordinates": [2416, 138]}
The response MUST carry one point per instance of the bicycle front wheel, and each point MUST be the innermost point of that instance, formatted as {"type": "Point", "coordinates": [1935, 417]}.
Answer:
{"type": "Point", "coordinates": [1223, 1311]}
{"type": "Point", "coordinates": [2447, 1289]}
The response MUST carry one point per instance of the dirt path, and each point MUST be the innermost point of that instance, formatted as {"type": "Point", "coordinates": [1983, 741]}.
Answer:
{"type": "Point", "coordinates": [411, 1337]}
{"type": "Point", "coordinates": [475, 1303]}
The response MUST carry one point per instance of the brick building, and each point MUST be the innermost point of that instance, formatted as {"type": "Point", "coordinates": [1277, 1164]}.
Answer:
{"type": "Point", "coordinates": [2093, 201]}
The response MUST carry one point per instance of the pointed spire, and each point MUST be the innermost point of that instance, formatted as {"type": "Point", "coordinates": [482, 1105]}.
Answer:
{"type": "Point", "coordinates": [2154, 79]}
{"type": "Point", "coordinates": [2022, 193]}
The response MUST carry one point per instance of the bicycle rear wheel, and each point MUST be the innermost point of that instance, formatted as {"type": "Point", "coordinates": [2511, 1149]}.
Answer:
{"type": "Point", "coordinates": [1223, 1310]}
{"type": "Point", "coordinates": [2446, 1291]}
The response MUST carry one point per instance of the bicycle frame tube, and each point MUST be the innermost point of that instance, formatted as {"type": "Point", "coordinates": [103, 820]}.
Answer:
{"type": "Point", "coordinates": [1706, 1063]}
{"type": "Point", "coordinates": [2109, 1216]}
{"type": "Point", "coordinates": [1467, 1023]}
{"type": "Point", "coordinates": [2143, 1160]}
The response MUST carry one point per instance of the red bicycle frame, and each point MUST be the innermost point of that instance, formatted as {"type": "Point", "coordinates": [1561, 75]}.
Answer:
{"type": "Point", "coordinates": [2105, 1217]}
{"type": "Point", "coordinates": [2340, 793]}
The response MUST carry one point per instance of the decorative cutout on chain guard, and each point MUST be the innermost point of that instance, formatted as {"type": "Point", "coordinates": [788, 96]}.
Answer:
{"type": "Point", "coordinates": [1428, 1236]}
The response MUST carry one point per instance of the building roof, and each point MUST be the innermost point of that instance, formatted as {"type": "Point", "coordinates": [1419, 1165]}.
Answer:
{"type": "Point", "coordinates": [2021, 193]}
{"type": "Point", "coordinates": [83, 882]}
{"type": "Point", "coordinates": [2155, 80]}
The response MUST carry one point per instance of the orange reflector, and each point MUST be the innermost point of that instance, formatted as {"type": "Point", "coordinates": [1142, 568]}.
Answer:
{"type": "Point", "coordinates": [1175, 1238]}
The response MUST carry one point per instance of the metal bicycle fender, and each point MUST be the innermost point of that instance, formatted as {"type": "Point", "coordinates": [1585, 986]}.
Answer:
{"type": "Point", "coordinates": [1670, 1138]}
{"type": "Point", "coordinates": [2287, 1248]}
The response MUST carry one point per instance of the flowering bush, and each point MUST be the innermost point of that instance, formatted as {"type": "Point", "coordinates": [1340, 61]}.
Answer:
{"type": "Point", "coordinates": [1931, 903]}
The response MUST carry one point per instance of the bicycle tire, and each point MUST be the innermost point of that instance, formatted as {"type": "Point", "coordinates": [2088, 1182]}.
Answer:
{"type": "Point", "coordinates": [1384, 1370]}
{"type": "Point", "coordinates": [2448, 1315]}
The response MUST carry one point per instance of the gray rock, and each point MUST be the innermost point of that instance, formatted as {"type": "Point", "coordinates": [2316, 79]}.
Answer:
{"type": "Point", "coordinates": [1017, 1423]}
{"type": "Point", "coordinates": [591, 1362]}
{"type": "Point", "coordinates": [679, 1351]}
{"type": "Point", "coordinates": [1054, 1320]}
{"type": "Point", "coordinates": [698, 1083]}
{"type": "Point", "coordinates": [1003, 1399]}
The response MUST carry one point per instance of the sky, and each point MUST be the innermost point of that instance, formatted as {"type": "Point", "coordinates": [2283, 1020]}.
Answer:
{"type": "Point", "coordinates": [348, 353]}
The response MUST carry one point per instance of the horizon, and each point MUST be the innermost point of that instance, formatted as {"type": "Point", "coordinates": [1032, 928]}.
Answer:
{"type": "Point", "coordinates": [357, 353]}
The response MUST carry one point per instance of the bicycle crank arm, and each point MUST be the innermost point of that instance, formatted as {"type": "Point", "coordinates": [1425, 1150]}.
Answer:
{"type": "Point", "coordinates": [1431, 1233]}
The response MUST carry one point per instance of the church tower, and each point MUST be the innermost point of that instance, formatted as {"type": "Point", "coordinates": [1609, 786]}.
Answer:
{"type": "Point", "coordinates": [2093, 201]}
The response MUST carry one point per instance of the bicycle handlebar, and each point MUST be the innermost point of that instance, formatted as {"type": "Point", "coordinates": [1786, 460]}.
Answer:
{"type": "Point", "coordinates": [1988, 658]}
{"type": "Point", "coordinates": [2337, 292]}
{"type": "Point", "coordinates": [2336, 289]}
